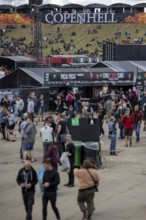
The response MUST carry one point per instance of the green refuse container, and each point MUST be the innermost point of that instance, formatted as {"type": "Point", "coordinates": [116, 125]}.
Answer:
{"type": "Point", "coordinates": [77, 153]}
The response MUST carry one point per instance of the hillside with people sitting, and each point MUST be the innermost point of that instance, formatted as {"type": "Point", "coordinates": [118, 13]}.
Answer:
{"type": "Point", "coordinates": [60, 39]}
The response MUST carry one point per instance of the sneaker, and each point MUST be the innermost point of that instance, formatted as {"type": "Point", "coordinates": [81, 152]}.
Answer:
{"type": "Point", "coordinates": [89, 217]}
{"type": "Point", "coordinates": [71, 185]}
{"type": "Point", "coordinates": [84, 215]}
{"type": "Point", "coordinates": [67, 184]}
{"type": "Point", "coordinates": [114, 154]}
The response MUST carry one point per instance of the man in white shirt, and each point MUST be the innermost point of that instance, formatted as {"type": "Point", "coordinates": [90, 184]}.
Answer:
{"type": "Point", "coordinates": [46, 133]}
{"type": "Point", "coordinates": [30, 108]}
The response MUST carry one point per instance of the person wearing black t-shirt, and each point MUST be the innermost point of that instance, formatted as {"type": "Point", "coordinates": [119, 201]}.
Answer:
{"type": "Point", "coordinates": [62, 130]}
{"type": "Point", "coordinates": [50, 182]}
{"type": "Point", "coordinates": [70, 149]}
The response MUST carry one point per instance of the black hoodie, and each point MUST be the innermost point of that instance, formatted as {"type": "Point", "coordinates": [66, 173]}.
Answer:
{"type": "Point", "coordinates": [27, 176]}
{"type": "Point", "coordinates": [51, 177]}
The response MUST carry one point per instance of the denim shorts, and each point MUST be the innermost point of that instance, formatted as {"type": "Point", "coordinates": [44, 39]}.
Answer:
{"type": "Point", "coordinates": [28, 146]}
{"type": "Point", "coordinates": [41, 110]}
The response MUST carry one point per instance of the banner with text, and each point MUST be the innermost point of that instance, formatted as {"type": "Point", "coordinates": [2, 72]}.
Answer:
{"type": "Point", "coordinates": [75, 18]}
{"type": "Point", "coordinates": [54, 78]}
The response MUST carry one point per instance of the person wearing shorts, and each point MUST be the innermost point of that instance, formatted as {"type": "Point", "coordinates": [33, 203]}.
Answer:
{"type": "Point", "coordinates": [11, 136]}
{"type": "Point", "coordinates": [29, 140]}
{"type": "Point", "coordinates": [128, 122]}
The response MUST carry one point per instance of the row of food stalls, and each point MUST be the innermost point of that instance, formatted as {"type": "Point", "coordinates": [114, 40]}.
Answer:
{"type": "Point", "coordinates": [103, 75]}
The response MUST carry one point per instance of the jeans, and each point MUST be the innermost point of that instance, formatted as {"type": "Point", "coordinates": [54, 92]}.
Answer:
{"type": "Point", "coordinates": [121, 132]}
{"type": "Point", "coordinates": [86, 198]}
{"type": "Point", "coordinates": [137, 130]}
{"type": "Point", "coordinates": [46, 146]}
{"type": "Point", "coordinates": [28, 199]}
{"type": "Point", "coordinates": [78, 106]}
{"type": "Point", "coordinates": [113, 143]}
{"type": "Point", "coordinates": [71, 174]}
{"type": "Point", "coordinates": [21, 155]}
{"type": "Point", "coordinates": [50, 196]}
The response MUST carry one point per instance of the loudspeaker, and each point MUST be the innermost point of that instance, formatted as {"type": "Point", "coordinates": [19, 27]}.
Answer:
{"type": "Point", "coordinates": [35, 2]}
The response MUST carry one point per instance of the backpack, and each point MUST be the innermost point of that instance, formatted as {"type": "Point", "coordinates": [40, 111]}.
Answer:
{"type": "Point", "coordinates": [69, 98]}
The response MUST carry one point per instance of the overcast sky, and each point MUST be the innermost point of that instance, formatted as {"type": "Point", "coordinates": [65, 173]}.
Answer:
{"type": "Point", "coordinates": [63, 2]}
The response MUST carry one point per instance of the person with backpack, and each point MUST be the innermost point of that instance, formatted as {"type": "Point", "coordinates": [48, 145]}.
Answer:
{"type": "Point", "coordinates": [69, 98]}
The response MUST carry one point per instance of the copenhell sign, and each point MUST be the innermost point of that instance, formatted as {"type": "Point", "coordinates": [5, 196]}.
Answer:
{"type": "Point", "coordinates": [75, 18]}
{"type": "Point", "coordinates": [93, 18]}
{"type": "Point", "coordinates": [80, 18]}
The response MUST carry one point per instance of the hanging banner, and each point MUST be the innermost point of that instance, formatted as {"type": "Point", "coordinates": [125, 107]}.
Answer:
{"type": "Point", "coordinates": [75, 18]}
{"type": "Point", "coordinates": [93, 18]}
{"type": "Point", "coordinates": [50, 78]}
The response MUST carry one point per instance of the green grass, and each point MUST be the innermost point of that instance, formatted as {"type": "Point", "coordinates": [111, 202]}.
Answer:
{"type": "Point", "coordinates": [82, 37]}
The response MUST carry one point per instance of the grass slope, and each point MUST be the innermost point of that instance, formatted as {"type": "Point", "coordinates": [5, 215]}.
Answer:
{"type": "Point", "coordinates": [82, 37]}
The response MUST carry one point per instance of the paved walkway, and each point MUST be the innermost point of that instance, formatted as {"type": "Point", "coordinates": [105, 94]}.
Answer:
{"type": "Point", "coordinates": [122, 191]}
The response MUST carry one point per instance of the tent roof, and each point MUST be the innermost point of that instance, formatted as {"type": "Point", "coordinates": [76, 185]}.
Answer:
{"type": "Point", "coordinates": [48, 6]}
{"type": "Point", "coordinates": [119, 5]}
{"type": "Point", "coordinates": [19, 58]}
{"type": "Point", "coordinates": [134, 66]}
{"type": "Point", "coordinates": [6, 7]}
{"type": "Point", "coordinates": [73, 6]}
{"type": "Point", "coordinates": [26, 6]}
{"type": "Point", "coordinates": [139, 5]}
{"type": "Point", "coordinates": [96, 5]}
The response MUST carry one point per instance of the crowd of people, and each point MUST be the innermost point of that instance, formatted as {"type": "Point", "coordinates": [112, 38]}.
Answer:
{"type": "Point", "coordinates": [123, 111]}
{"type": "Point", "coordinates": [23, 46]}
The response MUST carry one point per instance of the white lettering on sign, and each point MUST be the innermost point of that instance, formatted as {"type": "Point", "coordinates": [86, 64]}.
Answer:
{"type": "Point", "coordinates": [105, 75]}
{"type": "Point", "coordinates": [68, 76]}
{"type": "Point", "coordinates": [121, 75]}
{"type": "Point", "coordinates": [80, 18]}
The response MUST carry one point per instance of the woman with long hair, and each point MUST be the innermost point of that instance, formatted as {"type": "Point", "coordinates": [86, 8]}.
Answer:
{"type": "Point", "coordinates": [88, 178]}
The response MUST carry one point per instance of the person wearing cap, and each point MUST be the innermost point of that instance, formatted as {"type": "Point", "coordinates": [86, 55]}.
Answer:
{"type": "Point", "coordinates": [128, 122]}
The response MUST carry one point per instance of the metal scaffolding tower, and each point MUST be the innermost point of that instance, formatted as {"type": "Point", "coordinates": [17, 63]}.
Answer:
{"type": "Point", "coordinates": [37, 32]}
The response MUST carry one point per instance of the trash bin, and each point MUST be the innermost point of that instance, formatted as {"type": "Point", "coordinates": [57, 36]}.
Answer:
{"type": "Point", "coordinates": [77, 153]}
{"type": "Point", "coordinates": [89, 150]}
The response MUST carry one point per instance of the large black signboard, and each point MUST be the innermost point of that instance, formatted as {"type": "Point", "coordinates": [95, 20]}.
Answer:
{"type": "Point", "coordinates": [141, 81]}
{"type": "Point", "coordinates": [139, 85]}
{"type": "Point", "coordinates": [74, 18]}
{"type": "Point", "coordinates": [87, 18]}
{"type": "Point", "coordinates": [84, 129]}
{"type": "Point", "coordinates": [54, 78]}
